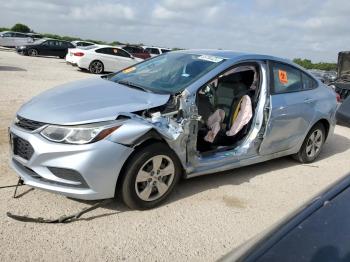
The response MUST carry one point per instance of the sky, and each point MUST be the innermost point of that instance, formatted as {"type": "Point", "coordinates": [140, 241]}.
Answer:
{"type": "Point", "coordinates": [313, 29]}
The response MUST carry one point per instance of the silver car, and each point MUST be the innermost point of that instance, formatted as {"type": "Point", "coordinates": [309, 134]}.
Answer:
{"type": "Point", "coordinates": [13, 39]}
{"type": "Point", "coordinates": [136, 132]}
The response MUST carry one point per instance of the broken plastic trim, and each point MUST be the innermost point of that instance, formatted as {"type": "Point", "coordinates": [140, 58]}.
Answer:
{"type": "Point", "coordinates": [62, 219]}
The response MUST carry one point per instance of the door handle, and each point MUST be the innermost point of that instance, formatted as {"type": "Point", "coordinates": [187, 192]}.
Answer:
{"type": "Point", "coordinates": [308, 100]}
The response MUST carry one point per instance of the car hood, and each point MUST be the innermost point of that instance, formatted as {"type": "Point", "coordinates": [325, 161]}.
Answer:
{"type": "Point", "coordinates": [88, 101]}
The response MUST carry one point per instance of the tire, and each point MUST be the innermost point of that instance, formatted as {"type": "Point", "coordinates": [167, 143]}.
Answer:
{"type": "Point", "coordinates": [145, 186]}
{"type": "Point", "coordinates": [62, 57]}
{"type": "Point", "coordinates": [312, 145]}
{"type": "Point", "coordinates": [96, 67]}
{"type": "Point", "coordinates": [32, 52]}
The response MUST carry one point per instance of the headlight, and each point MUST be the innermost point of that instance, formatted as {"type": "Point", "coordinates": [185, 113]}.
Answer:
{"type": "Point", "coordinates": [82, 134]}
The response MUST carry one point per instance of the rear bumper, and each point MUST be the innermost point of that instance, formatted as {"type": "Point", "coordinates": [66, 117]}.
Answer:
{"type": "Point", "coordinates": [93, 169]}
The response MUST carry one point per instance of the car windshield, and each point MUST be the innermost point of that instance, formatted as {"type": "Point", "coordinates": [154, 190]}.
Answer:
{"type": "Point", "coordinates": [168, 73]}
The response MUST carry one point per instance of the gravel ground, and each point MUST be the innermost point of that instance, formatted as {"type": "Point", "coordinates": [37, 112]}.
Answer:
{"type": "Point", "coordinates": [204, 219]}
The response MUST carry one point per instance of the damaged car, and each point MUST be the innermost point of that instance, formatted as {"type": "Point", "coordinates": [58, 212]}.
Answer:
{"type": "Point", "coordinates": [134, 133]}
{"type": "Point", "coordinates": [341, 84]}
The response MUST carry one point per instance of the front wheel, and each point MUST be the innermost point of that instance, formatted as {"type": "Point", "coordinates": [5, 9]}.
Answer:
{"type": "Point", "coordinates": [312, 145]}
{"type": "Point", "coordinates": [96, 67]}
{"type": "Point", "coordinates": [150, 176]}
{"type": "Point", "coordinates": [32, 52]}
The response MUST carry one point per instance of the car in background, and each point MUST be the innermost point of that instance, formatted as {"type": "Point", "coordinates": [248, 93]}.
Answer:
{"type": "Point", "coordinates": [154, 51]}
{"type": "Point", "coordinates": [316, 232]}
{"type": "Point", "coordinates": [324, 76]}
{"type": "Point", "coordinates": [343, 113]}
{"type": "Point", "coordinates": [13, 39]}
{"type": "Point", "coordinates": [137, 51]}
{"type": "Point", "coordinates": [82, 43]}
{"type": "Point", "coordinates": [101, 58]}
{"type": "Point", "coordinates": [46, 47]}
{"type": "Point", "coordinates": [341, 84]}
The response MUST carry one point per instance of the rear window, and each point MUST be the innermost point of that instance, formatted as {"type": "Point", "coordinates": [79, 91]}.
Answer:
{"type": "Point", "coordinates": [153, 51]}
{"type": "Point", "coordinates": [285, 79]}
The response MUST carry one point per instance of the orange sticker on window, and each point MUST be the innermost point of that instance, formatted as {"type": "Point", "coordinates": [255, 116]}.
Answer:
{"type": "Point", "coordinates": [128, 70]}
{"type": "Point", "coordinates": [283, 77]}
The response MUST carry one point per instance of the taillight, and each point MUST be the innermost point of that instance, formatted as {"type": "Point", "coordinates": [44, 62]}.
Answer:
{"type": "Point", "coordinates": [338, 97]}
{"type": "Point", "coordinates": [78, 54]}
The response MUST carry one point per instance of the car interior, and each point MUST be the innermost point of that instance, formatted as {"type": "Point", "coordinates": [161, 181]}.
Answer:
{"type": "Point", "coordinates": [225, 92]}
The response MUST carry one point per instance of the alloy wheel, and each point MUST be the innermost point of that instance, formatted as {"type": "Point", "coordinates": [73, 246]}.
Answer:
{"type": "Point", "coordinates": [33, 52]}
{"type": "Point", "coordinates": [96, 67]}
{"type": "Point", "coordinates": [314, 143]}
{"type": "Point", "coordinates": [154, 178]}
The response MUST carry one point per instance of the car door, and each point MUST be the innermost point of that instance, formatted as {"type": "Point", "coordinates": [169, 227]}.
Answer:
{"type": "Point", "coordinates": [7, 39]}
{"type": "Point", "coordinates": [121, 59]}
{"type": "Point", "coordinates": [105, 55]}
{"type": "Point", "coordinates": [45, 47]}
{"type": "Point", "coordinates": [21, 39]}
{"type": "Point", "coordinates": [291, 109]}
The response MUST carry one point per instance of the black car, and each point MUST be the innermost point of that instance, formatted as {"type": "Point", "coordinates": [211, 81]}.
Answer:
{"type": "Point", "coordinates": [317, 232]}
{"type": "Point", "coordinates": [343, 113]}
{"type": "Point", "coordinates": [46, 47]}
{"type": "Point", "coordinates": [342, 84]}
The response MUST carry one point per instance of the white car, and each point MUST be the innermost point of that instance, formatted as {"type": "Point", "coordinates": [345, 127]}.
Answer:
{"type": "Point", "coordinates": [13, 39]}
{"type": "Point", "coordinates": [154, 51]}
{"type": "Point", "coordinates": [101, 58]}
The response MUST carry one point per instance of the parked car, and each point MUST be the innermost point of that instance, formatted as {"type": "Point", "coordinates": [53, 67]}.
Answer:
{"type": "Point", "coordinates": [154, 51]}
{"type": "Point", "coordinates": [342, 83]}
{"type": "Point", "coordinates": [46, 47]}
{"type": "Point", "coordinates": [315, 232]}
{"type": "Point", "coordinates": [343, 113]}
{"type": "Point", "coordinates": [13, 39]}
{"type": "Point", "coordinates": [137, 51]}
{"type": "Point", "coordinates": [136, 132]}
{"type": "Point", "coordinates": [82, 43]}
{"type": "Point", "coordinates": [101, 58]}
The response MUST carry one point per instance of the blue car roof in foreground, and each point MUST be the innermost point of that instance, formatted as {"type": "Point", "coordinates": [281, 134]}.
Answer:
{"type": "Point", "coordinates": [234, 56]}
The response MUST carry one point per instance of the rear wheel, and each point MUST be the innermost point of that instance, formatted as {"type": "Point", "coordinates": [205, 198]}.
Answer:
{"type": "Point", "coordinates": [32, 52]}
{"type": "Point", "coordinates": [150, 176]}
{"type": "Point", "coordinates": [312, 145]}
{"type": "Point", "coordinates": [96, 67]}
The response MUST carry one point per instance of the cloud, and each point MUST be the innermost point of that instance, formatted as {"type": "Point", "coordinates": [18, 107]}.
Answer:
{"type": "Point", "coordinates": [302, 28]}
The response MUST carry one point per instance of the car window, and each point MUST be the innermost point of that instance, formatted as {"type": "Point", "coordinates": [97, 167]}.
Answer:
{"type": "Point", "coordinates": [120, 52]}
{"type": "Point", "coordinates": [165, 50]}
{"type": "Point", "coordinates": [20, 35]}
{"type": "Point", "coordinates": [104, 50]}
{"type": "Point", "coordinates": [285, 79]}
{"type": "Point", "coordinates": [153, 51]}
{"type": "Point", "coordinates": [168, 73]}
{"type": "Point", "coordinates": [8, 34]}
{"type": "Point", "coordinates": [308, 82]}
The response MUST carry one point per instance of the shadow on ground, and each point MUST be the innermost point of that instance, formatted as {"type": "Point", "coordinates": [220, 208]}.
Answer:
{"type": "Point", "coordinates": [11, 68]}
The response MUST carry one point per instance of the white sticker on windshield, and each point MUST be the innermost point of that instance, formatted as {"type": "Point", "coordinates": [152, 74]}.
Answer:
{"type": "Point", "coordinates": [211, 58]}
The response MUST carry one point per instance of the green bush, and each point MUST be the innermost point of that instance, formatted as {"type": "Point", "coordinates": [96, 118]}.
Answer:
{"type": "Point", "coordinates": [306, 63]}
{"type": "Point", "coordinates": [20, 28]}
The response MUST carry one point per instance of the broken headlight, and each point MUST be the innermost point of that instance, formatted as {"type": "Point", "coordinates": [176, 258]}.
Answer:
{"type": "Point", "coordinates": [82, 134]}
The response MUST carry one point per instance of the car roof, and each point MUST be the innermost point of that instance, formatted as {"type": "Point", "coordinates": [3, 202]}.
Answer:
{"type": "Point", "coordinates": [238, 56]}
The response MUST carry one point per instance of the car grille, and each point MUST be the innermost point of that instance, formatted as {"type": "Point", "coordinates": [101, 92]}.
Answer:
{"type": "Point", "coordinates": [22, 147]}
{"type": "Point", "coordinates": [28, 124]}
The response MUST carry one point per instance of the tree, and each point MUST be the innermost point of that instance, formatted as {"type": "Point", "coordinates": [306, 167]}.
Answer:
{"type": "Point", "coordinates": [20, 28]}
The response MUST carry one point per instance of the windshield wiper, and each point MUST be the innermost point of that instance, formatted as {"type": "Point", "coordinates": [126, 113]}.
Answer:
{"type": "Point", "coordinates": [133, 85]}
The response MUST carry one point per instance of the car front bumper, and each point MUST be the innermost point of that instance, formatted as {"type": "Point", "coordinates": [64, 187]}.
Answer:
{"type": "Point", "coordinates": [88, 172]}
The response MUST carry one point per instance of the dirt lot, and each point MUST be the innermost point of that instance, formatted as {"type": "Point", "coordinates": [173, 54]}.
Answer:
{"type": "Point", "coordinates": [204, 219]}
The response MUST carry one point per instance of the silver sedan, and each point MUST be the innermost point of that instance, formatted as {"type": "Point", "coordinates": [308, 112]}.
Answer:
{"type": "Point", "coordinates": [136, 132]}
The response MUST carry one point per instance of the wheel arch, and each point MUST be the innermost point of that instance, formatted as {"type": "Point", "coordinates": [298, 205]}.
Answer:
{"type": "Point", "coordinates": [97, 60]}
{"type": "Point", "coordinates": [149, 138]}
